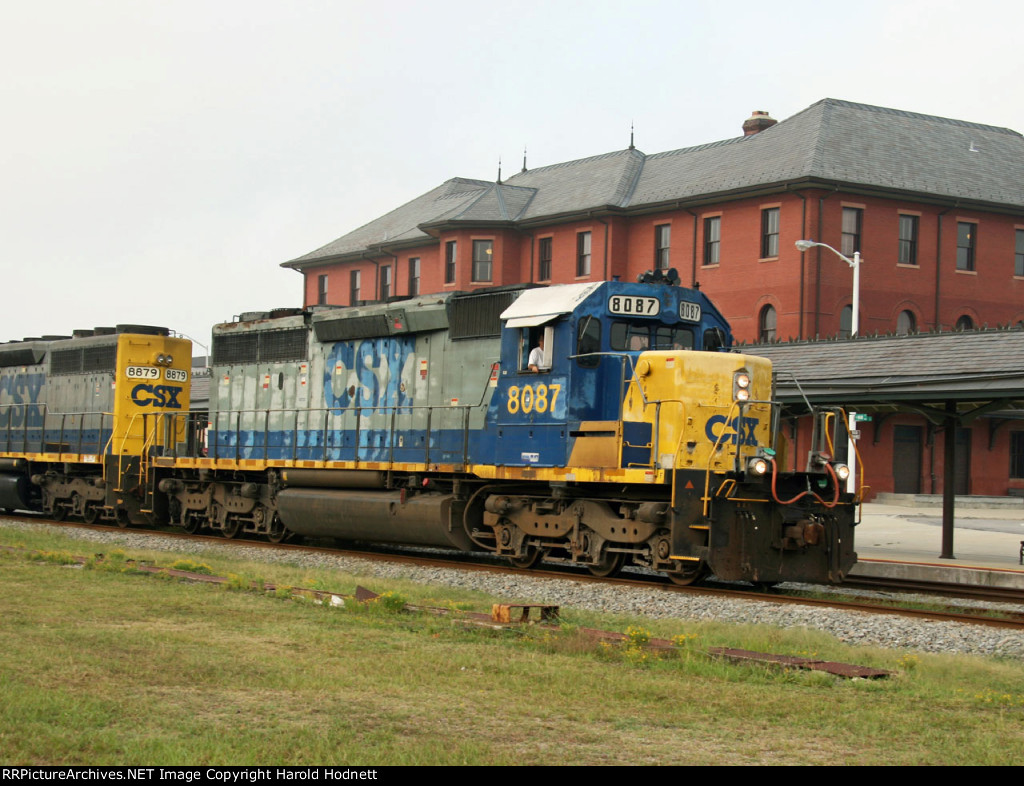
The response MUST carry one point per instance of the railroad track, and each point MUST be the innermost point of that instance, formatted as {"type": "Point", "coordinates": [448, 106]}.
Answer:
{"type": "Point", "coordinates": [965, 591]}
{"type": "Point", "coordinates": [479, 562]}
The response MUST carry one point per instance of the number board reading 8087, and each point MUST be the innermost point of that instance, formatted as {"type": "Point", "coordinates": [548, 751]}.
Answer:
{"type": "Point", "coordinates": [634, 305]}
{"type": "Point", "coordinates": [689, 312]}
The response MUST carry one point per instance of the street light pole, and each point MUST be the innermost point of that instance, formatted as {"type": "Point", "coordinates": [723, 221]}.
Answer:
{"type": "Point", "coordinates": [855, 317]}
{"type": "Point", "coordinates": [807, 245]}
{"type": "Point", "coordinates": [851, 453]}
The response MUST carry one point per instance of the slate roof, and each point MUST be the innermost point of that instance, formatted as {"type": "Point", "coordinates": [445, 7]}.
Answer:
{"type": "Point", "coordinates": [834, 142]}
{"type": "Point", "coordinates": [402, 223]}
{"type": "Point", "coordinates": [929, 368]}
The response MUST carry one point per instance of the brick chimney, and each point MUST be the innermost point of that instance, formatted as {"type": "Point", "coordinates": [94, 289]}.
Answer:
{"type": "Point", "coordinates": [757, 123]}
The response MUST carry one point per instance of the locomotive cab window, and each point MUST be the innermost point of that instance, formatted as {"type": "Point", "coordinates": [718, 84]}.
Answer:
{"type": "Point", "coordinates": [626, 337]}
{"type": "Point", "coordinates": [588, 341]}
{"type": "Point", "coordinates": [673, 338]}
{"type": "Point", "coordinates": [535, 349]}
{"type": "Point", "coordinates": [714, 339]}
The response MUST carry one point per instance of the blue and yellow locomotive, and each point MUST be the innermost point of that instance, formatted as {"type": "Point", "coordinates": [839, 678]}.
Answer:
{"type": "Point", "coordinates": [601, 424]}
{"type": "Point", "coordinates": [77, 421]}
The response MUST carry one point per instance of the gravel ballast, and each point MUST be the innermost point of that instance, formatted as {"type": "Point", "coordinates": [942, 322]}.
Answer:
{"type": "Point", "coordinates": [851, 627]}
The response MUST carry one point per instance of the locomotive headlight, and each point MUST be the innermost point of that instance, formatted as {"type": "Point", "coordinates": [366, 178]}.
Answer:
{"type": "Point", "coordinates": [757, 466]}
{"type": "Point", "coordinates": [842, 471]}
{"type": "Point", "coordinates": [169, 359]}
{"type": "Point", "coordinates": [159, 360]}
{"type": "Point", "coordinates": [741, 386]}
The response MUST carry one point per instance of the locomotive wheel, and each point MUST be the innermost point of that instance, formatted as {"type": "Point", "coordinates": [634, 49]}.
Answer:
{"type": "Point", "coordinates": [610, 565]}
{"type": "Point", "coordinates": [279, 533]}
{"type": "Point", "coordinates": [231, 528]}
{"type": "Point", "coordinates": [59, 512]}
{"type": "Point", "coordinates": [192, 524]}
{"type": "Point", "coordinates": [90, 514]}
{"type": "Point", "coordinates": [684, 578]}
{"type": "Point", "coordinates": [77, 505]}
{"type": "Point", "coordinates": [530, 559]}
{"type": "Point", "coordinates": [122, 518]}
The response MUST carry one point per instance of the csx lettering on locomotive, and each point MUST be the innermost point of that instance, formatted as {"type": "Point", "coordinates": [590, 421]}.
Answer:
{"type": "Point", "coordinates": [741, 428]}
{"type": "Point", "coordinates": [157, 396]}
{"type": "Point", "coordinates": [370, 373]}
{"type": "Point", "coordinates": [22, 391]}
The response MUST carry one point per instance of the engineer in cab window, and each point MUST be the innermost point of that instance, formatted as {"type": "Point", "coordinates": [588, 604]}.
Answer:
{"type": "Point", "coordinates": [536, 362]}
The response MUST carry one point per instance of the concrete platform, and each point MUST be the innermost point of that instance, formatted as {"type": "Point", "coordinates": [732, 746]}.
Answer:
{"type": "Point", "coordinates": [905, 541]}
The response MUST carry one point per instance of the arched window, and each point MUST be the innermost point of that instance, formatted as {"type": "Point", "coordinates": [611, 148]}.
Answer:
{"type": "Point", "coordinates": [767, 324]}
{"type": "Point", "coordinates": [846, 322]}
{"type": "Point", "coordinates": [906, 323]}
{"type": "Point", "coordinates": [965, 323]}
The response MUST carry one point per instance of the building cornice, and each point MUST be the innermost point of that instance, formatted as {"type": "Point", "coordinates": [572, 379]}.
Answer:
{"type": "Point", "coordinates": [434, 229]}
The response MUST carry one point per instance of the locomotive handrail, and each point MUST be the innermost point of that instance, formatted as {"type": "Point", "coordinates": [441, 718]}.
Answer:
{"type": "Point", "coordinates": [44, 421]}
{"type": "Point", "coordinates": [361, 413]}
{"type": "Point", "coordinates": [10, 408]}
{"type": "Point", "coordinates": [165, 421]}
{"type": "Point", "coordinates": [121, 452]}
{"type": "Point", "coordinates": [807, 401]}
{"type": "Point", "coordinates": [845, 420]}
{"type": "Point", "coordinates": [145, 454]}
{"type": "Point", "coordinates": [707, 472]}
{"type": "Point", "coordinates": [106, 449]}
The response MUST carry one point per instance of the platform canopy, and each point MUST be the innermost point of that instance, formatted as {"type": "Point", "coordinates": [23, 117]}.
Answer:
{"type": "Point", "coordinates": [980, 370]}
{"type": "Point", "coordinates": [950, 378]}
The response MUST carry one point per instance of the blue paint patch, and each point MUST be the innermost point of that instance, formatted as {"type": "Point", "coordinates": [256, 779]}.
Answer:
{"type": "Point", "coordinates": [447, 446]}
{"type": "Point", "coordinates": [37, 440]}
{"type": "Point", "coordinates": [20, 405]}
{"type": "Point", "coordinates": [636, 444]}
{"type": "Point", "coordinates": [377, 363]}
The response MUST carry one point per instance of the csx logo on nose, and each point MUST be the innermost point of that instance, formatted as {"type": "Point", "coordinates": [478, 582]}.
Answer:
{"type": "Point", "coordinates": [743, 429]}
{"type": "Point", "coordinates": [165, 396]}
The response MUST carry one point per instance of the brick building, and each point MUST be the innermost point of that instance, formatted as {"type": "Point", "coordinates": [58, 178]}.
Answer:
{"type": "Point", "coordinates": [935, 207]}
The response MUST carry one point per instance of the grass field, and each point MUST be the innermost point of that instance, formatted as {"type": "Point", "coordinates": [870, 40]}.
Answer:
{"type": "Point", "coordinates": [105, 666]}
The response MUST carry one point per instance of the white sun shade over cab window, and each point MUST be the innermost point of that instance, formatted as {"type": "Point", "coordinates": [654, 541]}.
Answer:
{"type": "Point", "coordinates": [538, 306]}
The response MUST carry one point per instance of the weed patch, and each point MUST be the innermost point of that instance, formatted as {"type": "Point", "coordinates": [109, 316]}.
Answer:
{"type": "Point", "coordinates": [100, 667]}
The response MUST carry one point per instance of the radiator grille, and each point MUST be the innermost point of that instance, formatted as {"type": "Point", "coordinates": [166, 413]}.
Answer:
{"type": "Point", "coordinates": [99, 358]}
{"type": "Point", "coordinates": [272, 346]}
{"type": "Point", "coordinates": [280, 345]}
{"type": "Point", "coordinates": [479, 316]}
{"type": "Point", "coordinates": [66, 361]}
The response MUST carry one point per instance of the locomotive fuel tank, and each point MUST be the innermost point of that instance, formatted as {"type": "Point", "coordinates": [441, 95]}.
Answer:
{"type": "Point", "coordinates": [430, 519]}
{"type": "Point", "coordinates": [16, 492]}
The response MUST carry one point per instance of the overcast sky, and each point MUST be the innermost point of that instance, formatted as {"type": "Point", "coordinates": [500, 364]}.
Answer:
{"type": "Point", "coordinates": [161, 159]}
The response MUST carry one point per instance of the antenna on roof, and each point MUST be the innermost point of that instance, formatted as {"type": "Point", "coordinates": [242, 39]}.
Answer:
{"type": "Point", "coordinates": [524, 158]}
{"type": "Point", "coordinates": [973, 148]}
{"type": "Point", "coordinates": [499, 170]}
{"type": "Point", "coordinates": [631, 145]}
